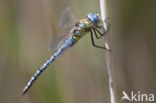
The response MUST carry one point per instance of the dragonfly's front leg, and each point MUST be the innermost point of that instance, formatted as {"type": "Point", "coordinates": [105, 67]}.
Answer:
{"type": "Point", "coordinates": [107, 24]}
{"type": "Point", "coordinates": [96, 29]}
{"type": "Point", "coordinates": [101, 34]}
{"type": "Point", "coordinates": [93, 43]}
{"type": "Point", "coordinates": [97, 37]}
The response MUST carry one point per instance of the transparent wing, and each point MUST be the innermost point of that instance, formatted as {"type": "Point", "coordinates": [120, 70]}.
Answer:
{"type": "Point", "coordinates": [57, 41]}
{"type": "Point", "coordinates": [66, 23]}
{"type": "Point", "coordinates": [67, 18]}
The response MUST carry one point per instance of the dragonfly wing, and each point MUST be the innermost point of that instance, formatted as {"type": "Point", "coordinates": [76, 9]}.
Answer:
{"type": "Point", "coordinates": [66, 22]}
{"type": "Point", "coordinates": [56, 42]}
{"type": "Point", "coordinates": [67, 19]}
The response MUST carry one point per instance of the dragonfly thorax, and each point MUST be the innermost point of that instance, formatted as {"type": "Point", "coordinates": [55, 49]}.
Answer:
{"type": "Point", "coordinates": [82, 27]}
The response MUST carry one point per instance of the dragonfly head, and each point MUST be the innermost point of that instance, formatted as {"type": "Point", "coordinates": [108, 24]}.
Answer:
{"type": "Point", "coordinates": [94, 18]}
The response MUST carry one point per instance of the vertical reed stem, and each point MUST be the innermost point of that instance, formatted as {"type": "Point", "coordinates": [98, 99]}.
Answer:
{"type": "Point", "coordinates": [109, 61]}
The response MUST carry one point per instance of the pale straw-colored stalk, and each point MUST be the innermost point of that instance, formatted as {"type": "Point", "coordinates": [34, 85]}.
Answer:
{"type": "Point", "coordinates": [109, 61]}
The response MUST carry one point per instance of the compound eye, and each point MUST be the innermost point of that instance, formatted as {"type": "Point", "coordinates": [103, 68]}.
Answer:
{"type": "Point", "coordinates": [94, 18]}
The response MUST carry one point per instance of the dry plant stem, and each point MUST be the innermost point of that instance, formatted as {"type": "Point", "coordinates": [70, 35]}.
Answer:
{"type": "Point", "coordinates": [109, 62]}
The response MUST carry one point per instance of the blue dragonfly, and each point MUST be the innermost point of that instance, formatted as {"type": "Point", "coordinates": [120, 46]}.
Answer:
{"type": "Point", "coordinates": [81, 27]}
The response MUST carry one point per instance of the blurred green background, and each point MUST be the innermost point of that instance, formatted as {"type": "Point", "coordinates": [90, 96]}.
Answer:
{"type": "Point", "coordinates": [80, 75]}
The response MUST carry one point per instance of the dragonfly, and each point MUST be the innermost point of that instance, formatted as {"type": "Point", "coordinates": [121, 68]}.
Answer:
{"type": "Point", "coordinates": [89, 24]}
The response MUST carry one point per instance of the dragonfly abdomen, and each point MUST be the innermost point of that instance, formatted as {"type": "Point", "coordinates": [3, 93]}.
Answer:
{"type": "Point", "coordinates": [68, 43]}
{"type": "Point", "coordinates": [36, 75]}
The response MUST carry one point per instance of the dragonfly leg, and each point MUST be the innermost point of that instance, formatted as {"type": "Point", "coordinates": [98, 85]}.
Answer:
{"type": "Point", "coordinates": [106, 21]}
{"type": "Point", "coordinates": [98, 37]}
{"type": "Point", "coordinates": [93, 43]}
{"type": "Point", "coordinates": [104, 31]}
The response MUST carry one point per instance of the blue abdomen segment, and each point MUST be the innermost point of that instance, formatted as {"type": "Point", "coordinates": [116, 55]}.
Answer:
{"type": "Point", "coordinates": [68, 43]}
{"type": "Point", "coordinates": [73, 41]}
